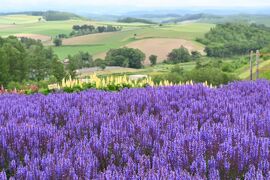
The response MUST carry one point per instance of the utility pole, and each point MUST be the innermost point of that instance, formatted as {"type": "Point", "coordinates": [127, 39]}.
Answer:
{"type": "Point", "coordinates": [257, 63]}
{"type": "Point", "coordinates": [250, 63]}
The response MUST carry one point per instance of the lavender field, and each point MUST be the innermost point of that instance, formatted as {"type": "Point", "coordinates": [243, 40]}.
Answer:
{"type": "Point", "coordinates": [184, 132]}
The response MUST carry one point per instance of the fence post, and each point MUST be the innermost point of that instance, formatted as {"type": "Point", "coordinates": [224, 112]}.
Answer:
{"type": "Point", "coordinates": [250, 63]}
{"type": "Point", "coordinates": [257, 63]}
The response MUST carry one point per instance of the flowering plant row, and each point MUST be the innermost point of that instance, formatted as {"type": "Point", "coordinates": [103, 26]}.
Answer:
{"type": "Point", "coordinates": [29, 89]}
{"type": "Point", "coordinates": [176, 132]}
{"type": "Point", "coordinates": [14, 91]}
{"type": "Point", "coordinates": [110, 83]}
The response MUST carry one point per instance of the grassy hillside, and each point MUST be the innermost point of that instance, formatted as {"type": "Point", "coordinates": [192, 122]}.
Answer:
{"type": "Point", "coordinates": [264, 69]}
{"type": "Point", "coordinates": [18, 19]}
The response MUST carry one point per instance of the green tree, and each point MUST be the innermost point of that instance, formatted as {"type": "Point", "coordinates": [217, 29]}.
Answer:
{"type": "Point", "coordinates": [100, 63]}
{"type": "Point", "coordinates": [153, 59]}
{"type": "Point", "coordinates": [102, 66]}
{"type": "Point", "coordinates": [179, 55]}
{"type": "Point", "coordinates": [4, 68]}
{"type": "Point", "coordinates": [195, 55]}
{"type": "Point", "coordinates": [57, 42]}
{"type": "Point", "coordinates": [24, 60]}
{"type": "Point", "coordinates": [39, 60]}
{"type": "Point", "coordinates": [78, 61]}
{"type": "Point", "coordinates": [58, 70]}
{"type": "Point", "coordinates": [71, 67]}
{"type": "Point", "coordinates": [125, 57]}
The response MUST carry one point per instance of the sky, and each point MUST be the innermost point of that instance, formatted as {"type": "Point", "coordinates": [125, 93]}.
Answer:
{"type": "Point", "coordinates": [21, 5]}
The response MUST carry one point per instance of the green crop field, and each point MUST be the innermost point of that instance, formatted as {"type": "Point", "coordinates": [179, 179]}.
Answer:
{"type": "Point", "coordinates": [18, 19]}
{"type": "Point", "coordinates": [98, 43]}
{"type": "Point", "coordinates": [14, 24]}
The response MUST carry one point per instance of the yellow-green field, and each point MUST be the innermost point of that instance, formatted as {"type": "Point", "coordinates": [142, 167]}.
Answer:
{"type": "Point", "coordinates": [18, 19]}
{"type": "Point", "coordinates": [264, 66]}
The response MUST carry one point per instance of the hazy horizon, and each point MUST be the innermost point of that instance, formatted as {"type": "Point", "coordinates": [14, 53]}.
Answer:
{"type": "Point", "coordinates": [121, 6]}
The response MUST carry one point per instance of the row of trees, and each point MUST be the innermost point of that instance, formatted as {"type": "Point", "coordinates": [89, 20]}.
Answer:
{"type": "Point", "coordinates": [134, 58]}
{"type": "Point", "coordinates": [124, 57]}
{"type": "Point", "coordinates": [227, 40]}
{"type": "Point", "coordinates": [79, 30]}
{"type": "Point", "coordinates": [135, 20]}
{"type": "Point", "coordinates": [27, 60]}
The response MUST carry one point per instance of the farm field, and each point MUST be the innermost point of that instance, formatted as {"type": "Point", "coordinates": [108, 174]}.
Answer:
{"type": "Point", "coordinates": [161, 47]}
{"type": "Point", "coordinates": [99, 44]}
{"type": "Point", "coordinates": [18, 19]}
{"type": "Point", "coordinates": [187, 131]}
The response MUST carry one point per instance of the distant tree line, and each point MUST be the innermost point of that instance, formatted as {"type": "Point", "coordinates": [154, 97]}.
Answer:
{"type": "Point", "coordinates": [227, 40]}
{"type": "Point", "coordinates": [49, 15]}
{"type": "Point", "coordinates": [57, 16]}
{"type": "Point", "coordinates": [135, 20]}
{"type": "Point", "coordinates": [191, 17]}
{"type": "Point", "coordinates": [79, 30]}
{"type": "Point", "coordinates": [27, 59]}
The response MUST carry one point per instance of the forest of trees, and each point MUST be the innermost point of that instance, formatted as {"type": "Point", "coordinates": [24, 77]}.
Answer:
{"type": "Point", "coordinates": [191, 17]}
{"type": "Point", "coordinates": [57, 16]}
{"type": "Point", "coordinates": [27, 59]}
{"type": "Point", "coordinates": [227, 40]}
{"type": "Point", "coordinates": [79, 30]}
{"type": "Point", "coordinates": [135, 20]}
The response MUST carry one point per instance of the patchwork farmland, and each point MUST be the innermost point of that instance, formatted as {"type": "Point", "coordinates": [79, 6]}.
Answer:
{"type": "Point", "coordinates": [99, 44]}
